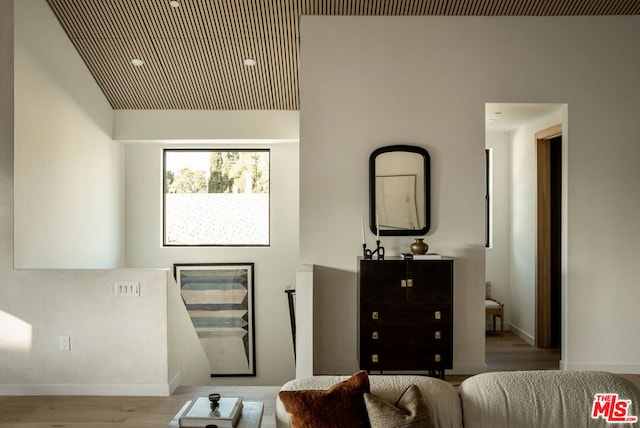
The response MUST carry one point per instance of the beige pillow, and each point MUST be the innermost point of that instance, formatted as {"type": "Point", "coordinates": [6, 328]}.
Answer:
{"type": "Point", "coordinates": [411, 411]}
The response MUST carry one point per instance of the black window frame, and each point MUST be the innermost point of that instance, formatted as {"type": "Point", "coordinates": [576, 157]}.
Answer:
{"type": "Point", "coordinates": [164, 193]}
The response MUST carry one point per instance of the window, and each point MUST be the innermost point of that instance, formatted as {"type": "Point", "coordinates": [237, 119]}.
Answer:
{"type": "Point", "coordinates": [216, 197]}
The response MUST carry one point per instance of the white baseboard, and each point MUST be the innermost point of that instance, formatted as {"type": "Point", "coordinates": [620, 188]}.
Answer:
{"type": "Point", "coordinates": [602, 367]}
{"type": "Point", "coordinates": [78, 389]}
{"type": "Point", "coordinates": [174, 383]}
{"type": "Point", "coordinates": [522, 335]}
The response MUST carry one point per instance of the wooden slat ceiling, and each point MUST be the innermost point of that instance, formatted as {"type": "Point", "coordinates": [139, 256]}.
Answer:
{"type": "Point", "coordinates": [194, 53]}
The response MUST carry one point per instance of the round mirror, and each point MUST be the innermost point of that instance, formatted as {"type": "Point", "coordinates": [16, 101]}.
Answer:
{"type": "Point", "coordinates": [399, 191]}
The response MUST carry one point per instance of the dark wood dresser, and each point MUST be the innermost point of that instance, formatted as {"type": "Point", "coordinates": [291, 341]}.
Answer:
{"type": "Point", "coordinates": [405, 315]}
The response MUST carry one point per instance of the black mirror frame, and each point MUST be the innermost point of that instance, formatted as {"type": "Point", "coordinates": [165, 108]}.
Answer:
{"type": "Point", "coordinates": [427, 190]}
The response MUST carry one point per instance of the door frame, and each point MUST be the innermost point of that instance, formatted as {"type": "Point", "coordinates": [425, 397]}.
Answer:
{"type": "Point", "coordinates": [543, 236]}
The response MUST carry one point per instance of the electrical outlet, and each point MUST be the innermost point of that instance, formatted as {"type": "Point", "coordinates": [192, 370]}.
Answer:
{"type": "Point", "coordinates": [65, 343]}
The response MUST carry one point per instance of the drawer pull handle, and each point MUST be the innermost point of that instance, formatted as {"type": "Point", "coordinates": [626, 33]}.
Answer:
{"type": "Point", "coordinates": [374, 315]}
{"type": "Point", "coordinates": [437, 358]}
{"type": "Point", "coordinates": [406, 283]}
{"type": "Point", "coordinates": [374, 335]}
{"type": "Point", "coordinates": [374, 358]}
{"type": "Point", "coordinates": [438, 315]}
{"type": "Point", "coordinates": [438, 335]}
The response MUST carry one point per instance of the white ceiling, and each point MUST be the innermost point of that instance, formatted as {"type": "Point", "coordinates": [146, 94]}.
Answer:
{"type": "Point", "coordinates": [509, 116]}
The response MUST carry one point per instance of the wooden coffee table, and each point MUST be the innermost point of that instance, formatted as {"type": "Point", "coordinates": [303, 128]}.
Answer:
{"type": "Point", "coordinates": [251, 415]}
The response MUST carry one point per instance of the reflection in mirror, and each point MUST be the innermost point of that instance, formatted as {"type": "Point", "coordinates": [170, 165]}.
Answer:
{"type": "Point", "coordinates": [399, 190]}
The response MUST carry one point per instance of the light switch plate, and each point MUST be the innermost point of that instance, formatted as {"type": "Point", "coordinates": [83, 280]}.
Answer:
{"type": "Point", "coordinates": [126, 288]}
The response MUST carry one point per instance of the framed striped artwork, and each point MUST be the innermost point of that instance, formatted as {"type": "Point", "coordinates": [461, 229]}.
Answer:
{"type": "Point", "coordinates": [219, 300]}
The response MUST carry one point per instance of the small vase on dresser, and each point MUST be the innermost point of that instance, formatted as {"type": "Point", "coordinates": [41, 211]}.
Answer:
{"type": "Point", "coordinates": [419, 246]}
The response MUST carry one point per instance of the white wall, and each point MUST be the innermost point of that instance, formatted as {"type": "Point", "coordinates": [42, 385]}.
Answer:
{"type": "Point", "coordinates": [64, 123]}
{"type": "Point", "coordinates": [203, 125]}
{"type": "Point", "coordinates": [524, 225]}
{"type": "Point", "coordinates": [498, 256]}
{"type": "Point", "coordinates": [6, 139]}
{"type": "Point", "coordinates": [138, 346]}
{"type": "Point", "coordinates": [69, 193]}
{"type": "Point", "coordinates": [119, 345]}
{"type": "Point", "coordinates": [373, 81]}
{"type": "Point", "coordinates": [275, 265]}
{"type": "Point", "coordinates": [353, 102]}
{"type": "Point", "coordinates": [367, 83]}
{"type": "Point", "coordinates": [145, 135]}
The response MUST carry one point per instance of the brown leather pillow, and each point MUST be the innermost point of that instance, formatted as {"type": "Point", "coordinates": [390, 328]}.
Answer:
{"type": "Point", "coordinates": [340, 406]}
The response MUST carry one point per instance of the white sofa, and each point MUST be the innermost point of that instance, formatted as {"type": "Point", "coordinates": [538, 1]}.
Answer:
{"type": "Point", "coordinates": [535, 399]}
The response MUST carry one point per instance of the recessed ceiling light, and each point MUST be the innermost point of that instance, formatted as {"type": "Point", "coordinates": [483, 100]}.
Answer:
{"type": "Point", "coordinates": [137, 62]}
{"type": "Point", "coordinates": [174, 3]}
{"type": "Point", "coordinates": [249, 62]}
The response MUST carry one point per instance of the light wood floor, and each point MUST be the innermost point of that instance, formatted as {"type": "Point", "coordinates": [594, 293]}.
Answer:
{"type": "Point", "coordinates": [509, 352]}
{"type": "Point", "coordinates": [120, 412]}
{"type": "Point", "coordinates": [506, 352]}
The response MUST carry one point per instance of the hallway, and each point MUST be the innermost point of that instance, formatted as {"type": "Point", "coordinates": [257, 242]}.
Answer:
{"type": "Point", "coordinates": [510, 352]}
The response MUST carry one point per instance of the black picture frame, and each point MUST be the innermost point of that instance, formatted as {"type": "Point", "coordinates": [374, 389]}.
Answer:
{"type": "Point", "coordinates": [220, 300]}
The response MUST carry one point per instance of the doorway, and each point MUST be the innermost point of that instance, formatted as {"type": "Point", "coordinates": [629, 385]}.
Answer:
{"type": "Point", "coordinates": [549, 238]}
{"type": "Point", "coordinates": [532, 307]}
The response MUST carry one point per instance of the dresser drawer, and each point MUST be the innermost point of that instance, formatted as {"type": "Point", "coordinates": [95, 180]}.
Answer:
{"type": "Point", "coordinates": [405, 358]}
{"type": "Point", "coordinates": [407, 335]}
{"type": "Point", "coordinates": [405, 315]}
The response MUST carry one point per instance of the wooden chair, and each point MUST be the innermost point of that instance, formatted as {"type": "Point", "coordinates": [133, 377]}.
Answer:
{"type": "Point", "coordinates": [494, 308]}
